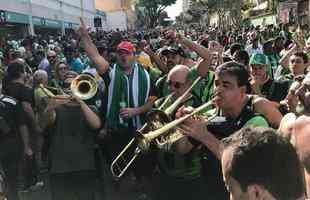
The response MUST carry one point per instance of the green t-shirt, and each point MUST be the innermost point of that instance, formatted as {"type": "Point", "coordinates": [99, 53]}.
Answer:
{"type": "Point", "coordinates": [257, 121]}
{"type": "Point", "coordinates": [186, 166]}
{"type": "Point", "coordinates": [162, 87]}
{"type": "Point", "coordinates": [204, 88]}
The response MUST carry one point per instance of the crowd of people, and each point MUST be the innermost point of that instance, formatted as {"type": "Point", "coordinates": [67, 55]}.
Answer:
{"type": "Point", "coordinates": [249, 142]}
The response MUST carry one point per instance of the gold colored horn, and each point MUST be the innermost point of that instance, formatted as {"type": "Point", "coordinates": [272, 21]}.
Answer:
{"type": "Point", "coordinates": [156, 130]}
{"type": "Point", "coordinates": [84, 86]}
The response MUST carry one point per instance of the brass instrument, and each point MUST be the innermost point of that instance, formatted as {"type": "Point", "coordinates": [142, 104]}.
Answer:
{"type": "Point", "coordinates": [159, 130]}
{"type": "Point", "coordinates": [84, 86]}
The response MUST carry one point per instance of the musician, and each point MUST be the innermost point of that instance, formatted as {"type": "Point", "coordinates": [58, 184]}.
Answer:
{"type": "Point", "coordinates": [257, 163]}
{"type": "Point", "coordinates": [234, 109]}
{"type": "Point", "coordinates": [12, 128]}
{"type": "Point", "coordinates": [179, 170]}
{"type": "Point", "coordinates": [72, 146]}
{"type": "Point", "coordinates": [178, 80]}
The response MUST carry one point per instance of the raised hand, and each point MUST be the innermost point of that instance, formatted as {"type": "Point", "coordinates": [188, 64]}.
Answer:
{"type": "Point", "coordinates": [82, 30]}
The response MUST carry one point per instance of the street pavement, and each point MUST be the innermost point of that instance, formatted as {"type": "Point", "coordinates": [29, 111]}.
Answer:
{"type": "Point", "coordinates": [127, 191]}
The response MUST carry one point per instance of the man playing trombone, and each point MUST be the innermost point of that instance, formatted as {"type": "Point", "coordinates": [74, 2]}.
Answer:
{"type": "Point", "coordinates": [179, 169]}
{"type": "Point", "coordinates": [72, 146]}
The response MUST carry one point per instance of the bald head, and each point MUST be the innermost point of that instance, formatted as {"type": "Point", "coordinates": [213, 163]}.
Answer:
{"type": "Point", "coordinates": [301, 133]}
{"type": "Point", "coordinates": [178, 79]}
{"type": "Point", "coordinates": [179, 73]}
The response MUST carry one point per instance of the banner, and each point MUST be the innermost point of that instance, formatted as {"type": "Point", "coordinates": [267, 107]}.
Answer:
{"type": "Point", "coordinates": [287, 12]}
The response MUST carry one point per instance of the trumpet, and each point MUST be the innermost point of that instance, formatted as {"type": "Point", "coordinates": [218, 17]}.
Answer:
{"type": "Point", "coordinates": [158, 130]}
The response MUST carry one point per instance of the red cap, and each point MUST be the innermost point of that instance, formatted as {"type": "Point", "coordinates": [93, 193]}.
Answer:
{"type": "Point", "coordinates": [127, 46]}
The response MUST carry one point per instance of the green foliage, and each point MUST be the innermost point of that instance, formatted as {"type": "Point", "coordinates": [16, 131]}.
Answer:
{"type": "Point", "coordinates": [153, 9]}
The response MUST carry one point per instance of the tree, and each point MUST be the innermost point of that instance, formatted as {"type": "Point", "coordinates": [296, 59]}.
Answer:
{"type": "Point", "coordinates": [153, 9]}
{"type": "Point", "coordinates": [223, 8]}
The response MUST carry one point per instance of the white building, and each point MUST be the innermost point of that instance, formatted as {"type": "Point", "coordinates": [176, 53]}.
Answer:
{"type": "Point", "coordinates": [40, 15]}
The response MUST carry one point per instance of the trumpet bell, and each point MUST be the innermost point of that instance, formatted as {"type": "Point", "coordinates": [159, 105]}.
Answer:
{"type": "Point", "coordinates": [84, 86]}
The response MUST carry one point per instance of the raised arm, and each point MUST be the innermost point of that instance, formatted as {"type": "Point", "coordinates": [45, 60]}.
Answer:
{"type": "Point", "coordinates": [101, 64]}
{"type": "Point", "coordinates": [199, 49]}
{"type": "Point", "coordinates": [155, 58]}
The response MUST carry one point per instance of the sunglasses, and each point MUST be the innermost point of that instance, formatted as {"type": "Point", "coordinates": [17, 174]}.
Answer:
{"type": "Point", "coordinates": [51, 57]}
{"type": "Point", "coordinates": [175, 84]}
{"type": "Point", "coordinates": [63, 68]}
{"type": "Point", "coordinates": [297, 61]}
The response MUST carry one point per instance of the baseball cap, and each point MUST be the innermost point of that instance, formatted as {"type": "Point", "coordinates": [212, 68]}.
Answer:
{"type": "Point", "coordinates": [127, 46]}
{"type": "Point", "coordinates": [173, 50]}
{"type": "Point", "coordinates": [258, 59]}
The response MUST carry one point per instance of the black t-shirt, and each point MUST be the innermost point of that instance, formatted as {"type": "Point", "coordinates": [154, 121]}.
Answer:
{"type": "Point", "coordinates": [275, 90]}
{"type": "Point", "coordinates": [20, 92]}
{"type": "Point", "coordinates": [11, 116]}
{"type": "Point", "coordinates": [73, 141]}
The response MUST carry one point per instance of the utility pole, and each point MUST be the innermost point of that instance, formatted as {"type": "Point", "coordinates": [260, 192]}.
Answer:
{"type": "Point", "coordinates": [30, 27]}
{"type": "Point", "coordinates": [63, 29]}
{"type": "Point", "coordinates": [82, 8]}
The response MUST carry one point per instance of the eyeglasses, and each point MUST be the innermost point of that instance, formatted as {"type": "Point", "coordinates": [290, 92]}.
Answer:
{"type": "Point", "coordinates": [63, 68]}
{"type": "Point", "coordinates": [175, 84]}
{"type": "Point", "coordinates": [51, 57]}
{"type": "Point", "coordinates": [297, 61]}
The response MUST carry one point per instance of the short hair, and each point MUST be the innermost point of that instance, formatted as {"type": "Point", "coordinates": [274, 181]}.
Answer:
{"type": "Point", "coordinates": [302, 55]}
{"type": "Point", "coordinates": [14, 70]}
{"type": "Point", "coordinates": [39, 76]}
{"type": "Point", "coordinates": [263, 157]}
{"type": "Point", "coordinates": [235, 69]}
{"type": "Point", "coordinates": [242, 55]}
{"type": "Point", "coordinates": [235, 47]}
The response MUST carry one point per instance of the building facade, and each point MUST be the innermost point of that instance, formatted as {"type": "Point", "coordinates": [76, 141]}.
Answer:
{"type": "Point", "coordinates": [56, 16]}
{"type": "Point", "coordinates": [120, 14]}
{"type": "Point", "coordinates": [186, 5]}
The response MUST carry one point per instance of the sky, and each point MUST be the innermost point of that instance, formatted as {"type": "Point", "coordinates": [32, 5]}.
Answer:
{"type": "Point", "coordinates": [174, 10]}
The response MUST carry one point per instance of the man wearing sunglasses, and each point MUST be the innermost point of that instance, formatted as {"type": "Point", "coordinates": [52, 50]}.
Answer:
{"type": "Point", "coordinates": [179, 169]}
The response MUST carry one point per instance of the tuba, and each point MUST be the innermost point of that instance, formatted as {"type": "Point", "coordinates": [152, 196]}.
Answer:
{"type": "Point", "coordinates": [158, 131]}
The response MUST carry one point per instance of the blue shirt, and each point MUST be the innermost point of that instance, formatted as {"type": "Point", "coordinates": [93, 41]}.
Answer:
{"type": "Point", "coordinates": [77, 65]}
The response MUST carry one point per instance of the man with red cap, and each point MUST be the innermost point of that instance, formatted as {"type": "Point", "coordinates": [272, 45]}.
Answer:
{"type": "Point", "coordinates": [129, 95]}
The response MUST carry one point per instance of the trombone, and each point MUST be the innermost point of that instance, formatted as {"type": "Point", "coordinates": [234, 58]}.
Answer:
{"type": "Point", "coordinates": [83, 86]}
{"type": "Point", "coordinates": [158, 129]}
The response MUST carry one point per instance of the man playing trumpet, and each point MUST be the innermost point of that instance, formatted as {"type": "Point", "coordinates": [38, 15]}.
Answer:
{"type": "Point", "coordinates": [234, 110]}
